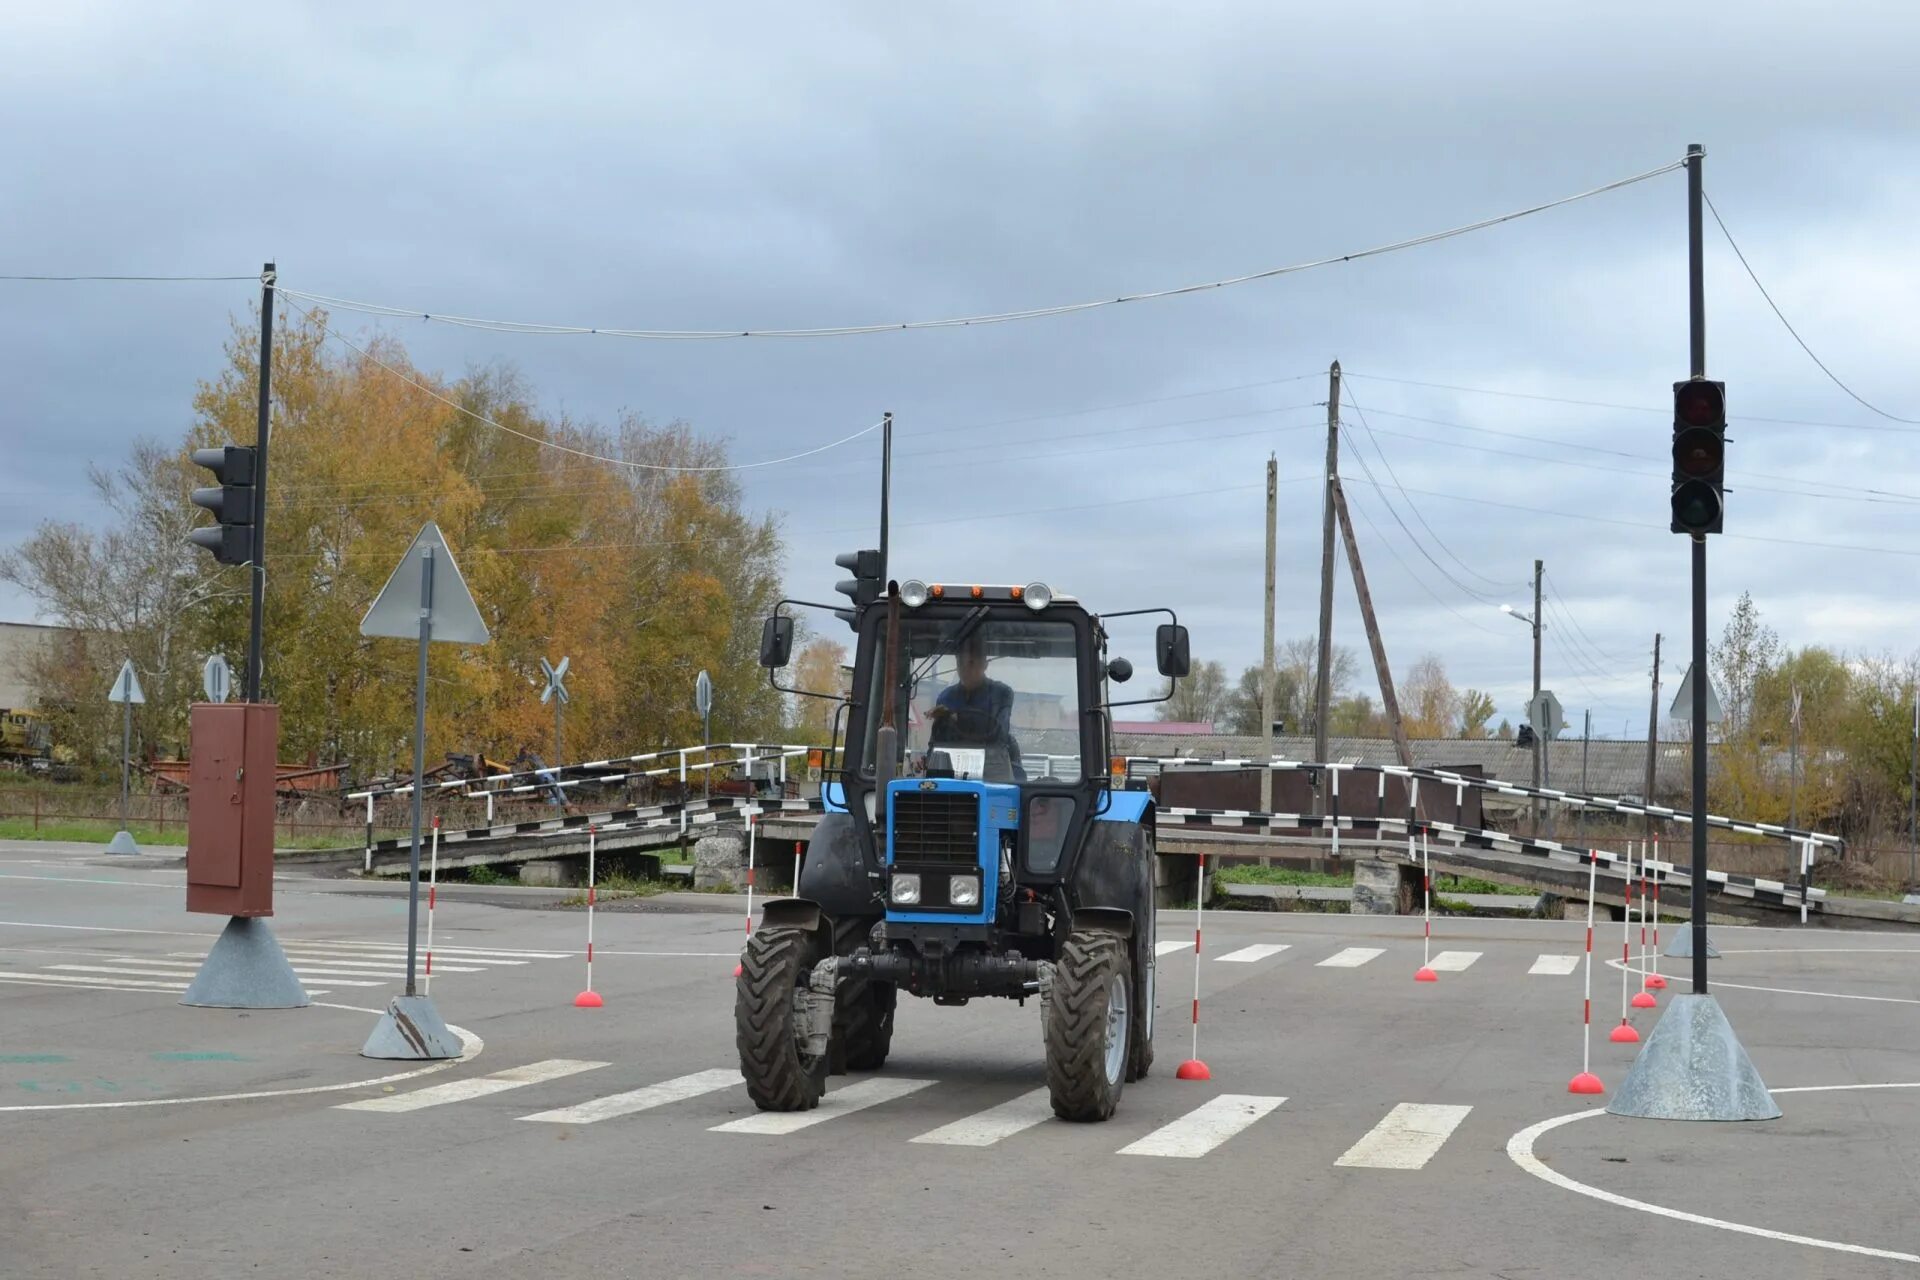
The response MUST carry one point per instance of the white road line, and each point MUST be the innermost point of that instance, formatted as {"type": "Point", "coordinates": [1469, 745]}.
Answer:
{"type": "Point", "coordinates": [389, 967]}
{"type": "Point", "coordinates": [1555, 965]}
{"type": "Point", "coordinates": [654, 1095]}
{"type": "Point", "coordinates": [989, 1126]}
{"type": "Point", "coordinates": [154, 984]}
{"type": "Point", "coordinates": [342, 979]}
{"type": "Point", "coordinates": [1351, 958]}
{"type": "Point", "coordinates": [1169, 946]}
{"type": "Point", "coordinates": [855, 1097]}
{"type": "Point", "coordinates": [1256, 952]}
{"type": "Point", "coordinates": [504, 957]}
{"type": "Point", "coordinates": [1453, 961]}
{"type": "Point", "coordinates": [1407, 1138]}
{"type": "Point", "coordinates": [1204, 1128]}
{"type": "Point", "coordinates": [103, 984]}
{"type": "Point", "coordinates": [476, 1087]}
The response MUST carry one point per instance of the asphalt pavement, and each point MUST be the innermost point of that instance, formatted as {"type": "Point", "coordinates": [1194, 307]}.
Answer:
{"type": "Point", "coordinates": [1357, 1123]}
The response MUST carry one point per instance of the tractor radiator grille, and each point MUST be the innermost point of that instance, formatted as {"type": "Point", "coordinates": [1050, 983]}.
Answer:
{"type": "Point", "coordinates": [936, 826]}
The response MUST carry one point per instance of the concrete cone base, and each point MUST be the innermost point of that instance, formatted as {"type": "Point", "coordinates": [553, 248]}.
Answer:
{"type": "Point", "coordinates": [246, 970]}
{"type": "Point", "coordinates": [122, 842]}
{"type": "Point", "coordinates": [1681, 947]}
{"type": "Point", "coordinates": [1693, 1068]}
{"type": "Point", "coordinates": [411, 1029]}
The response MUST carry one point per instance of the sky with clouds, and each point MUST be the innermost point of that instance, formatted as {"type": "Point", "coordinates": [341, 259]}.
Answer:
{"type": "Point", "coordinates": [756, 166]}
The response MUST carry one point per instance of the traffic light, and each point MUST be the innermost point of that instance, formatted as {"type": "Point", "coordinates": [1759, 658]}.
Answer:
{"type": "Point", "coordinates": [231, 539]}
{"type": "Point", "coordinates": [863, 588]}
{"type": "Point", "coordinates": [1699, 455]}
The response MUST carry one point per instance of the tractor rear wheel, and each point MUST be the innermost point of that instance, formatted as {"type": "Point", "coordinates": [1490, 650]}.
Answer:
{"type": "Point", "coordinates": [863, 1018]}
{"type": "Point", "coordinates": [1089, 1025]}
{"type": "Point", "coordinates": [769, 1019]}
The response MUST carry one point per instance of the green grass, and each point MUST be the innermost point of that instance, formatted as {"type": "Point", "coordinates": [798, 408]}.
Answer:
{"type": "Point", "coordinates": [617, 886]}
{"type": "Point", "coordinates": [1252, 873]}
{"type": "Point", "coordinates": [1469, 884]}
{"type": "Point", "coordinates": [84, 831]}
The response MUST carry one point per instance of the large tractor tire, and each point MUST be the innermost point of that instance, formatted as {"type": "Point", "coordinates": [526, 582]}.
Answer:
{"type": "Point", "coordinates": [863, 1018]}
{"type": "Point", "coordinates": [1089, 1025]}
{"type": "Point", "coordinates": [768, 1022]}
{"type": "Point", "coordinates": [1145, 935]}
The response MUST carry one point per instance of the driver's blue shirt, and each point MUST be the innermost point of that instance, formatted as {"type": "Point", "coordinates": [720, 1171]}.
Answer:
{"type": "Point", "coordinates": [992, 698]}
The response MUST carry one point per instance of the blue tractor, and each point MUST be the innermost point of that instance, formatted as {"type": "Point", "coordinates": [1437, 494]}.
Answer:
{"type": "Point", "coordinates": [974, 844]}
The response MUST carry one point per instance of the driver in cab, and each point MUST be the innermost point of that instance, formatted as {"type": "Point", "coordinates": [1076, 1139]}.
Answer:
{"type": "Point", "coordinates": [975, 711]}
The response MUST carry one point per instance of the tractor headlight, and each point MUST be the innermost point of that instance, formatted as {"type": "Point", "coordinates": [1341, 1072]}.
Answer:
{"type": "Point", "coordinates": [963, 891]}
{"type": "Point", "coordinates": [913, 593]}
{"type": "Point", "coordinates": [1038, 596]}
{"type": "Point", "coordinates": [906, 888]}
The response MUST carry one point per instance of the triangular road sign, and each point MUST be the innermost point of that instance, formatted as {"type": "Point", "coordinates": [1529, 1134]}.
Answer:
{"type": "Point", "coordinates": [126, 686]}
{"type": "Point", "coordinates": [396, 612]}
{"type": "Point", "coordinates": [1682, 708]}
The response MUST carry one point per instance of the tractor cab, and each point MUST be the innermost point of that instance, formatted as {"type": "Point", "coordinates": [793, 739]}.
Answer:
{"type": "Point", "coordinates": [973, 844]}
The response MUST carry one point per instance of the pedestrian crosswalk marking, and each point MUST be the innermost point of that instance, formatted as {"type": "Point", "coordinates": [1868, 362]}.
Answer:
{"type": "Point", "coordinates": [1406, 1139]}
{"type": "Point", "coordinates": [636, 1100]}
{"type": "Point", "coordinates": [1351, 958]}
{"type": "Point", "coordinates": [118, 984]}
{"type": "Point", "coordinates": [1555, 965]}
{"type": "Point", "coordinates": [1204, 1128]}
{"type": "Point", "coordinates": [855, 1097]}
{"type": "Point", "coordinates": [1453, 961]}
{"type": "Point", "coordinates": [1168, 947]}
{"type": "Point", "coordinates": [1248, 955]}
{"type": "Point", "coordinates": [491, 955]}
{"type": "Point", "coordinates": [345, 980]}
{"type": "Point", "coordinates": [990, 1126]}
{"type": "Point", "coordinates": [474, 1087]}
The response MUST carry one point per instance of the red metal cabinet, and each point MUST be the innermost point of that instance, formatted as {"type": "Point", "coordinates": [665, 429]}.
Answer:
{"type": "Point", "coordinates": [230, 808]}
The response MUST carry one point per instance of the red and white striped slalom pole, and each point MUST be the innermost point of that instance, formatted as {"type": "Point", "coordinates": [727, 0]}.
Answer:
{"type": "Point", "coordinates": [752, 831]}
{"type": "Point", "coordinates": [1654, 980]}
{"type": "Point", "coordinates": [1586, 1081]}
{"type": "Point", "coordinates": [1425, 972]}
{"type": "Point", "coordinates": [1643, 998]}
{"type": "Point", "coordinates": [1193, 1068]}
{"type": "Point", "coordinates": [433, 883]}
{"type": "Point", "coordinates": [1624, 1033]}
{"type": "Point", "coordinates": [589, 999]}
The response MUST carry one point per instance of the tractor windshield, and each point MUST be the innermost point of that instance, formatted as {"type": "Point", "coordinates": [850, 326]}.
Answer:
{"type": "Point", "coordinates": [985, 698]}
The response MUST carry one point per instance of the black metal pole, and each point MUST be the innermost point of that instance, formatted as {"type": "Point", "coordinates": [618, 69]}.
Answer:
{"type": "Point", "coordinates": [419, 756]}
{"type": "Point", "coordinates": [886, 485]}
{"type": "Point", "coordinates": [256, 662]}
{"type": "Point", "coordinates": [1697, 350]}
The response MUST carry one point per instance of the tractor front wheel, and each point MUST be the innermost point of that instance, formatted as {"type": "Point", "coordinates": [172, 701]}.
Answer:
{"type": "Point", "coordinates": [770, 1020]}
{"type": "Point", "coordinates": [1089, 1025]}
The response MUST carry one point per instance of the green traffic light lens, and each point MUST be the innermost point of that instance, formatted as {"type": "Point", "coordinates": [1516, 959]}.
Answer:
{"type": "Point", "coordinates": [1696, 505]}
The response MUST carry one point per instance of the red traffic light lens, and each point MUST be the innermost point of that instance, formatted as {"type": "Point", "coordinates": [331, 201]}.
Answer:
{"type": "Point", "coordinates": [1699, 452]}
{"type": "Point", "coordinates": [1699, 404]}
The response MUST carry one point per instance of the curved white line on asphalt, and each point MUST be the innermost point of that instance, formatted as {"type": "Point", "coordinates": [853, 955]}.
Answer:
{"type": "Point", "coordinates": [470, 1047]}
{"type": "Point", "coordinates": [1779, 991]}
{"type": "Point", "coordinates": [1520, 1151]}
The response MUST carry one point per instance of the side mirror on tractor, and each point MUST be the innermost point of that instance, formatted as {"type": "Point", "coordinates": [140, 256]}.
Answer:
{"type": "Point", "coordinates": [1170, 650]}
{"type": "Point", "coordinates": [776, 642]}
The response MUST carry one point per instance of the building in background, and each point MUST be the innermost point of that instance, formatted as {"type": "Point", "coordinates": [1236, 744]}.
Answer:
{"type": "Point", "coordinates": [20, 644]}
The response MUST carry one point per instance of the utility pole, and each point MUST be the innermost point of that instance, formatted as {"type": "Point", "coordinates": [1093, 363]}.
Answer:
{"type": "Point", "coordinates": [1913, 793]}
{"type": "Point", "coordinates": [1323, 673]}
{"type": "Point", "coordinates": [1266, 659]}
{"type": "Point", "coordinates": [1374, 642]}
{"type": "Point", "coordinates": [886, 491]}
{"type": "Point", "coordinates": [256, 661]}
{"type": "Point", "coordinates": [1697, 353]}
{"type": "Point", "coordinates": [1653, 731]}
{"type": "Point", "coordinates": [1586, 745]}
{"type": "Point", "coordinates": [1539, 732]}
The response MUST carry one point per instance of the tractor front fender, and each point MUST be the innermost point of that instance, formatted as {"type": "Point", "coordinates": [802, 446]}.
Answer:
{"type": "Point", "coordinates": [1108, 919]}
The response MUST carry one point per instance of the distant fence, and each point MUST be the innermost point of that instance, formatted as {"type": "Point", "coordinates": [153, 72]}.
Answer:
{"type": "Point", "coordinates": [167, 815]}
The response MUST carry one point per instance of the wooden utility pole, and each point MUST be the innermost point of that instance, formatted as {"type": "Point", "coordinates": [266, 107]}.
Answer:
{"type": "Point", "coordinates": [1266, 660]}
{"type": "Point", "coordinates": [1387, 698]}
{"type": "Point", "coordinates": [1653, 731]}
{"type": "Point", "coordinates": [1539, 730]}
{"type": "Point", "coordinates": [1323, 674]}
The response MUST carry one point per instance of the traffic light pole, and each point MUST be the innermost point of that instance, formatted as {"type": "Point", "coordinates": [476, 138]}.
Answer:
{"type": "Point", "coordinates": [1697, 348]}
{"type": "Point", "coordinates": [255, 659]}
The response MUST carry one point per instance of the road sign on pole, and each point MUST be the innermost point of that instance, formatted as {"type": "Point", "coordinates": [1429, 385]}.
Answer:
{"type": "Point", "coordinates": [216, 679]}
{"type": "Point", "coordinates": [126, 691]}
{"type": "Point", "coordinates": [703, 703]}
{"type": "Point", "coordinates": [1546, 716]}
{"type": "Point", "coordinates": [440, 608]}
{"type": "Point", "coordinates": [1682, 708]}
{"type": "Point", "coordinates": [556, 692]}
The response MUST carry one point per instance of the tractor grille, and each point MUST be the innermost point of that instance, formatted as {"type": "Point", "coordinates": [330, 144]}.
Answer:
{"type": "Point", "coordinates": [936, 826]}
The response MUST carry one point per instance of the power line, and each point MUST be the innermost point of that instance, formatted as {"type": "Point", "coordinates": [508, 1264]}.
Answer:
{"type": "Point", "coordinates": [128, 279]}
{"type": "Point", "coordinates": [1030, 313]}
{"type": "Point", "coordinates": [1411, 504]}
{"type": "Point", "coordinates": [1795, 333]}
{"type": "Point", "coordinates": [1554, 592]}
{"type": "Point", "coordinates": [561, 448]}
{"type": "Point", "coordinates": [1381, 538]}
{"type": "Point", "coordinates": [1469, 592]}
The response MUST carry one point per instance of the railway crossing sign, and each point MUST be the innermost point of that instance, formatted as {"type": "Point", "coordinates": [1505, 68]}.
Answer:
{"type": "Point", "coordinates": [216, 679]}
{"type": "Point", "coordinates": [556, 681]}
{"type": "Point", "coordinates": [126, 686]}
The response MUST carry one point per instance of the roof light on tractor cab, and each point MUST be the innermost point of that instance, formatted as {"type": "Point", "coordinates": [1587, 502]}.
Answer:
{"type": "Point", "coordinates": [1038, 595]}
{"type": "Point", "coordinates": [913, 593]}
{"type": "Point", "coordinates": [978, 592]}
{"type": "Point", "coordinates": [937, 590]}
